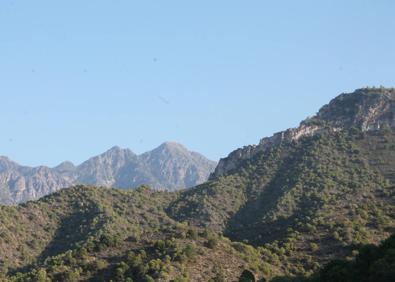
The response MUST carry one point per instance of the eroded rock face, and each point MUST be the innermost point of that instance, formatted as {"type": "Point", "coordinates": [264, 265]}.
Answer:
{"type": "Point", "coordinates": [169, 167]}
{"type": "Point", "coordinates": [366, 109]}
{"type": "Point", "coordinates": [20, 184]}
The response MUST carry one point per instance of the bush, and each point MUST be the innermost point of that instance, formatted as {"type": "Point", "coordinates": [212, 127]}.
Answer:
{"type": "Point", "coordinates": [212, 243]}
{"type": "Point", "coordinates": [314, 247]}
{"type": "Point", "coordinates": [247, 276]}
{"type": "Point", "coordinates": [190, 251]}
{"type": "Point", "coordinates": [192, 234]}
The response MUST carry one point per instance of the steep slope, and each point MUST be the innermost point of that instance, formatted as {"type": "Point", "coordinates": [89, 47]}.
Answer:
{"type": "Point", "coordinates": [169, 167]}
{"type": "Point", "coordinates": [19, 184]}
{"type": "Point", "coordinates": [366, 109]}
{"type": "Point", "coordinates": [307, 194]}
{"type": "Point", "coordinates": [372, 263]}
{"type": "Point", "coordinates": [96, 234]}
{"type": "Point", "coordinates": [172, 165]}
{"type": "Point", "coordinates": [105, 169]}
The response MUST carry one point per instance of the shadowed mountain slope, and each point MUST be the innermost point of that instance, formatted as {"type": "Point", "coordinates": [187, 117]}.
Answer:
{"type": "Point", "coordinates": [308, 194]}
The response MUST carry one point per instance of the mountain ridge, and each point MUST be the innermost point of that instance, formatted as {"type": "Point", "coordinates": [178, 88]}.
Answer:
{"type": "Point", "coordinates": [318, 192]}
{"type": "Point", "coordinates": [280, 213]}
{"type": "Point", "coordinates": [116, 167]}
{"type": "Point", "coordinates": [365, 108]}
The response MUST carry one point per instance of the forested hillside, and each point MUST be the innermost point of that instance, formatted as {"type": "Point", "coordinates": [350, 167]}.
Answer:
{"type": "Point", "coordinates": [282, 210]}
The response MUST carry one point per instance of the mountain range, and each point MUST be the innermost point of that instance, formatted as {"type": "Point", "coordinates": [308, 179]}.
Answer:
{"type": "Point", "coordinates": [169, 167]}
{"type": "Point", "coordinates": [281, 210]}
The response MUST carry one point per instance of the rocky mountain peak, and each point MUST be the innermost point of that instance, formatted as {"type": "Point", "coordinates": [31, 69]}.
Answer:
{"type": "Point", "coordinates": [116, 151]}
{"type": "Point", "coordinates": [170, 166]}
{"type": "Point", "coordinates": [169, 147]}
{"type": "Point", "coordinates": [65, 166]}
{"type": "Point", "coordinates": [171, 144]}
{"type": "Point", "coordinates": [176, 166]}
{"type": "Point", "coordinates": [367, 109]}
{"type": "Point", "coordinates": [6, 163]}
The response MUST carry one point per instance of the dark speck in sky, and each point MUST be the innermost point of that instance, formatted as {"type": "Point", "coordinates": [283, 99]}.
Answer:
{"type": "Point", "coordinates": [164, 100]}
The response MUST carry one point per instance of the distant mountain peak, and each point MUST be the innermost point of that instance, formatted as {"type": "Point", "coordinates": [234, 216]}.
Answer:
{"type": "Point", "coordinates": [5, 159]}
{"type": "Point", "coordinates": [115, 153]}
{"type": "Point", "coordinates": [116, 149]}
{"type": "Point", "coordinates": [65, 164]}
{"type": "Point", "coordinates": [168, 167]}
{"type": "Point", "coordinates": [171, 146]}
{"type": "Point", "coordinates": [6, 163]}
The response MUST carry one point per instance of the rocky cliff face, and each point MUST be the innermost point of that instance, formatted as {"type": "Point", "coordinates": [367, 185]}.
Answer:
{"type": "Point", "coordinates": [169, 167]}
{"type": "Point", "coordinates": [172, 165]}
{"type": "Point", "coordinates": [104, 169]}
{"type": "Point", "coordinates": [19, 183]}
{"type": "Point", "coordinates": [367, 109]}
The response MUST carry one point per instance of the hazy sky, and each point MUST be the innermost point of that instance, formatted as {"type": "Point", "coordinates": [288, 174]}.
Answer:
{"type": "Point", "coordinates": [77, 77]}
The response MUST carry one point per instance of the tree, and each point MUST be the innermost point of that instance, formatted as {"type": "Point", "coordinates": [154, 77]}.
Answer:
{"type": "Point", "coordinates": [247, 276]}
{"type": "Point", "coordinates": [41, 276]}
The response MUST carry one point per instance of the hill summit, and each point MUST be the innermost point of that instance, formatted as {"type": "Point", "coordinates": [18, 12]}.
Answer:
{"type": "Point", "coordinates": [367, 109]}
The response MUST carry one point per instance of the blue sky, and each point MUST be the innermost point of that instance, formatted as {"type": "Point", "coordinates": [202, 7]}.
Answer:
{"type": "Point", "coordinates": [77, 77]}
